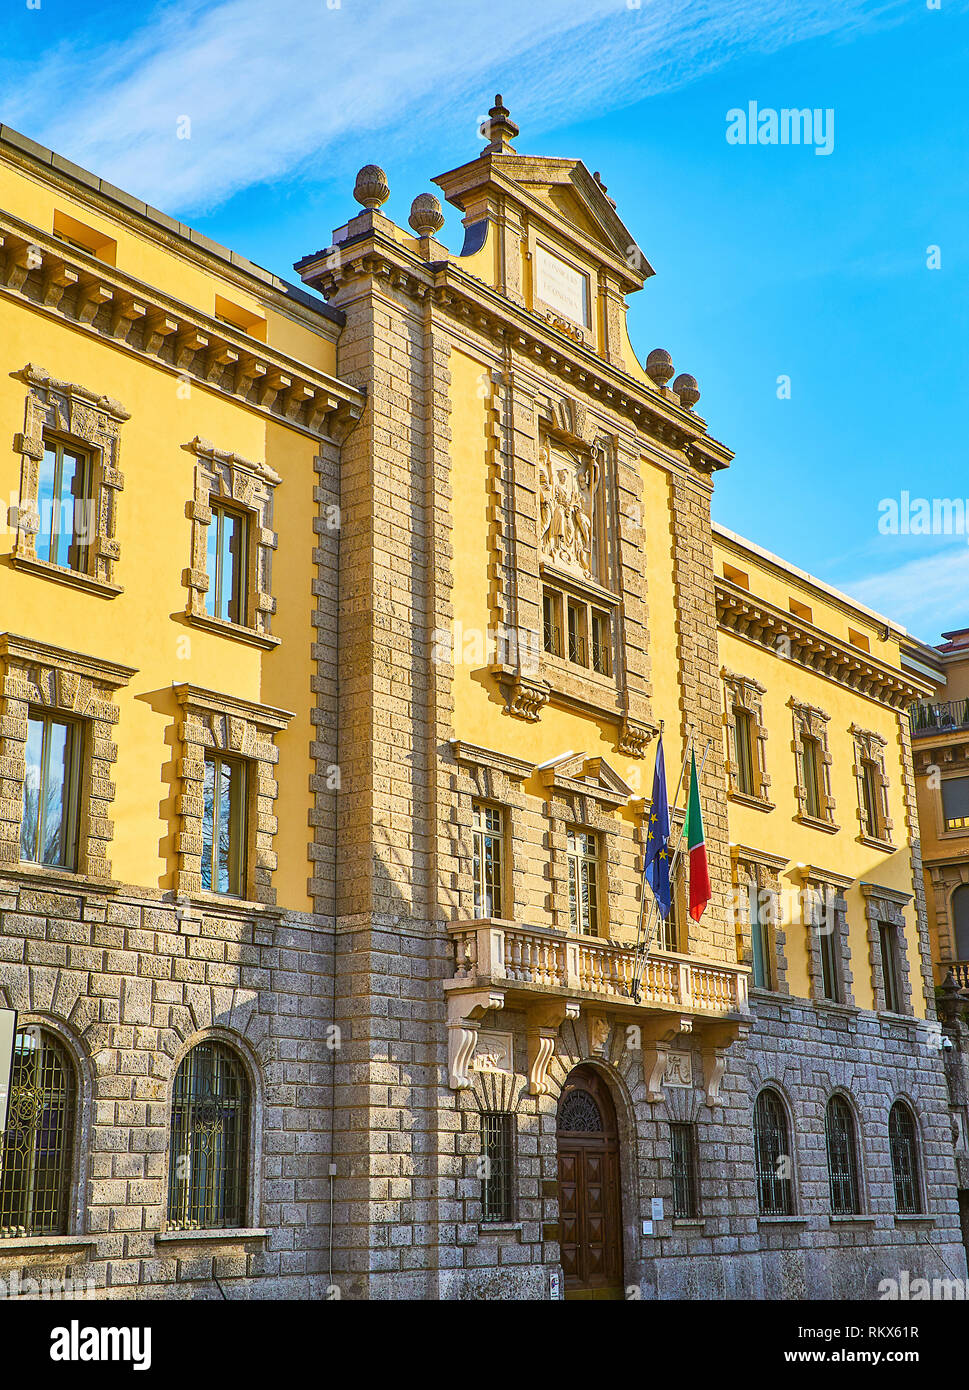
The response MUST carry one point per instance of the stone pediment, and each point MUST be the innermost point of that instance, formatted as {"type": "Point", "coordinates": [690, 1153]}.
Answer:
{"type": "Point", "coordinates": [564, 191]}
{"type": "Point", "coordinates": [575, 772]}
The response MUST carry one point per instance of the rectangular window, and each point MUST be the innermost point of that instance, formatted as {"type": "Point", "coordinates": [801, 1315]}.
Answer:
{"type": "Point", "coordinates": [760, 940]}
{"type": "Point", "coordinates": [224, 817]}
{"type": "Point", "coordinates": [668, 931]}
{"type": "Point", "coordinates": [552, 622]}
{"type": "Point", "coordinates": [869, 793]}
{"type": "Point", "coordinates": [577, 637]}
{"type": "Point", "coordinates": [828, 945]}
{"type": "Point", "coordinates": [497, 1151]}
{"type": "Point", "coordinates": [227, 550]}
{"type": "Point", "coordinates": [52, 792]}
{"type": "Point", "coordinates": [583, 859]}
{"type": "Point", "coordinates": [811, 755]}
{"type": "Point", "coordinates": [888, 941]}
{"type": "Point", "coordinates": [745, 757]}
{"type": "Point", "coordinates": [601, 643]}
{"type": "Point", "coordinates": [488, 833]}
{"type": "Point", "coordinates": [65, 506]}
{"type": "Point", "coordinates": [955, 802]}
{"type": "Point", "coordinates": [685, 1187]}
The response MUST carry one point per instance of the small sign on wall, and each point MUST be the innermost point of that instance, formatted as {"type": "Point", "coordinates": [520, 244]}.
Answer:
{"type": "Point", "coordinates": [656, 1208]}
{"type": "Point", "coordinates": [8, 1033]}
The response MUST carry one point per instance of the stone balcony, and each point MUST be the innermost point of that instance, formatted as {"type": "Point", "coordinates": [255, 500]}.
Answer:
{"type": "Point", "coordinates": [551, 975]}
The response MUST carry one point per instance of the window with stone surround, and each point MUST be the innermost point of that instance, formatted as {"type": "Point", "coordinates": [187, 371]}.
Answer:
{"type": "Point", "coordinates": [57, 748]}
{"type": "Point", "coordinates": [70, 479]}
{"type": "Point", "coordinates": [773, 1155]}
{"type": "Point", "coordinates": [812, 762]}
{"type": "Point", "coordinates": [489, 837]}
{"type": "Point", "coordinates": [493, 781]}
{"type": "Point", "coordinates": [872, 783]}
{"type": "Point", "coordinates": [221, 732]}
{"type": "Point", "coordinates": [760, 934]}
{"type": "Point", "coordinates": [826, 922]}
{"type": "Point", "coordinates": [887, 953]}
{"type": "Point", "coordinates": [746, 738]}
{"type": "Point", "coordinates": [591, 891]}
{"type": "Point", "coordinates": [229, 580]}
{"type": "Point", "coordinates": [684, 1170]}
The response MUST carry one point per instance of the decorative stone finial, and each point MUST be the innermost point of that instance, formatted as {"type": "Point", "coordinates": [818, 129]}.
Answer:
{"type": "Point", "coordinates": [499, 128]}
{"type": "Point", "coordinates": [426, 214]}
{"type": "Point", "coordinates": [951, 999]}
{"type": "Point", "coordinates": [598, 178]}
{"type": "Point", "coordinates": [686, 388]}
{"type": "Point", "coordinates": [371, 188]}
{"type": "Point", "coordinates": [659, 366]}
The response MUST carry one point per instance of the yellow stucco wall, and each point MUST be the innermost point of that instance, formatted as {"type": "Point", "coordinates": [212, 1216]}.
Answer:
{"type": "Point", "coordinates": [143, 626]}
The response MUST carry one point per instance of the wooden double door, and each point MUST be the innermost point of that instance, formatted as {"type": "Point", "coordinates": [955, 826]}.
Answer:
{"type": "Point", "coordinates": [590, 1203]}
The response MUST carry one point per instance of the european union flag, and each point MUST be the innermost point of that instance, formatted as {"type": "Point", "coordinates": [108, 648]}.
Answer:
{"type": "Point", "coordinates": [657, 858]}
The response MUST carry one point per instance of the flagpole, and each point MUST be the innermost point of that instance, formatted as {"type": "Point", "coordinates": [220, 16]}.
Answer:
{"type": "Point", "coordinates": [673, 866]}
{"type": "Point", "coordinates": [642, 902]}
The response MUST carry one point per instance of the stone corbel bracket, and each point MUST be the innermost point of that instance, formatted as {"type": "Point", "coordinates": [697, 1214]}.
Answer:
{"type": "Point", "coordinates": [542, 1030]}
{"type": "Point", "coordinates": [715, 1042]}
{"type": "Point", "coordinates": [464, 1014]}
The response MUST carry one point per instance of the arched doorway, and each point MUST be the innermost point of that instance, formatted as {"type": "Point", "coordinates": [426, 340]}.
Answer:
{"type": "Point", "coordinates": [590, 1202]}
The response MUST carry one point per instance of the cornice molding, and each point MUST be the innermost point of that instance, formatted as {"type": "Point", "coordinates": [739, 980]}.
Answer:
{"type": "Point", "coordinates": [54, 279]}
{"type": "Point", "coordinates": [213, 702]}
{"type": "Point", "coordinates": [463, 297]}
{"type": "Point", "coordinates": [757, 620]}
{"type": "Point", "coordinates": [475, 756]}
{"type": "Point", "coordinates": [109, 673]}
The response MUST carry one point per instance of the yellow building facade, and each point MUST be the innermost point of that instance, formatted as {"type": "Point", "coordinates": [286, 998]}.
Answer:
{"type": "Point", "coordinates": [389, 587]}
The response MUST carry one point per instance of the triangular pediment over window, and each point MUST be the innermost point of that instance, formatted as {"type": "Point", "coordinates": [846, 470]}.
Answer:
{"type": "Point", "coordinates": [575, 772]}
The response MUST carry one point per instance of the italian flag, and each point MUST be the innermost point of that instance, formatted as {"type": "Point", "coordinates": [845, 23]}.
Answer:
{"type": "Point", "coordinates": [696, 845]}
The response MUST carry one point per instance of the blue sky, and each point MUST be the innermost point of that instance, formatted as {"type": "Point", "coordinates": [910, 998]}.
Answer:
{"type": "Point", "coordinates": [770, 260]}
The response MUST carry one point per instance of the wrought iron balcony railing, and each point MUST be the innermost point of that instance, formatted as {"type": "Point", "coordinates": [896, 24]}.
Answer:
{"type": "Point", "coordinates": [942, 718]}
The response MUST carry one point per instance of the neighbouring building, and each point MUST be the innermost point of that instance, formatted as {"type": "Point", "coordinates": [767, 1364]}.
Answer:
{"type": "Point", "coordinates": [338, 627]}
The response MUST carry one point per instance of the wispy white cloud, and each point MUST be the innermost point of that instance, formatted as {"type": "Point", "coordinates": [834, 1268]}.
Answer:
{"type": "Point", "coordinates": [928, 595]}
{"type": "Point", "coordinates": [274, 90]}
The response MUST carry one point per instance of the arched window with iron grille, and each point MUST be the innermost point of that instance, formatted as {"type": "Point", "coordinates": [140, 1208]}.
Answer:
{"type": "Point", "coordinates": [903, 1142]}
{"type": "Point", "coordinates": [775, 1162]}
{"type": "Point", "coordinates": [38, 1143]}
{"type": "Point", "coordinates": [839, 1133]}
{"type": "Point", "coordinates": [210, 1140]}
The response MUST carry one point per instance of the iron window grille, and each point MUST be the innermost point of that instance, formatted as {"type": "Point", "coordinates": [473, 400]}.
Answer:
{"type": "Point", "coordinates": [839, 1133]}
{"type": "Point", "coordinates": [772, 1150]}
{"type": "Point", "coordinates": [601, 643]}
{"type": "Point", "coordinates": [488, 835]}
{"type": "Point", "coordinates": [497, 1147]}
{"type": "Point", "coordinates": [52, 792]}
{"type": "Point", "coordinates": [583, 862]}
{"type": "Point", "coordinates": [37, 1149]}
{"type": "Point", "coordinates": [903, 1143]}
{"type": "Point", "coordinates": [224, 826]}
{"type": "Point", "coordinates": [209, 1141]}
{"type": "Point", "coordinates": [684, 1167]}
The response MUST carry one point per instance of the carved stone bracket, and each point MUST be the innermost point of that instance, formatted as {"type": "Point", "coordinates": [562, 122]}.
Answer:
{"type": "Point", "coordinates": [464, 1014]}
{"type": "Point", "coordinates": [542, 1031]}
{"type": "Point", "coordinates": [524, 698]}
{"type": "Point", "coordinates": [715, 1042]}
{"type": "Point", "coordinates": [634, 738]}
